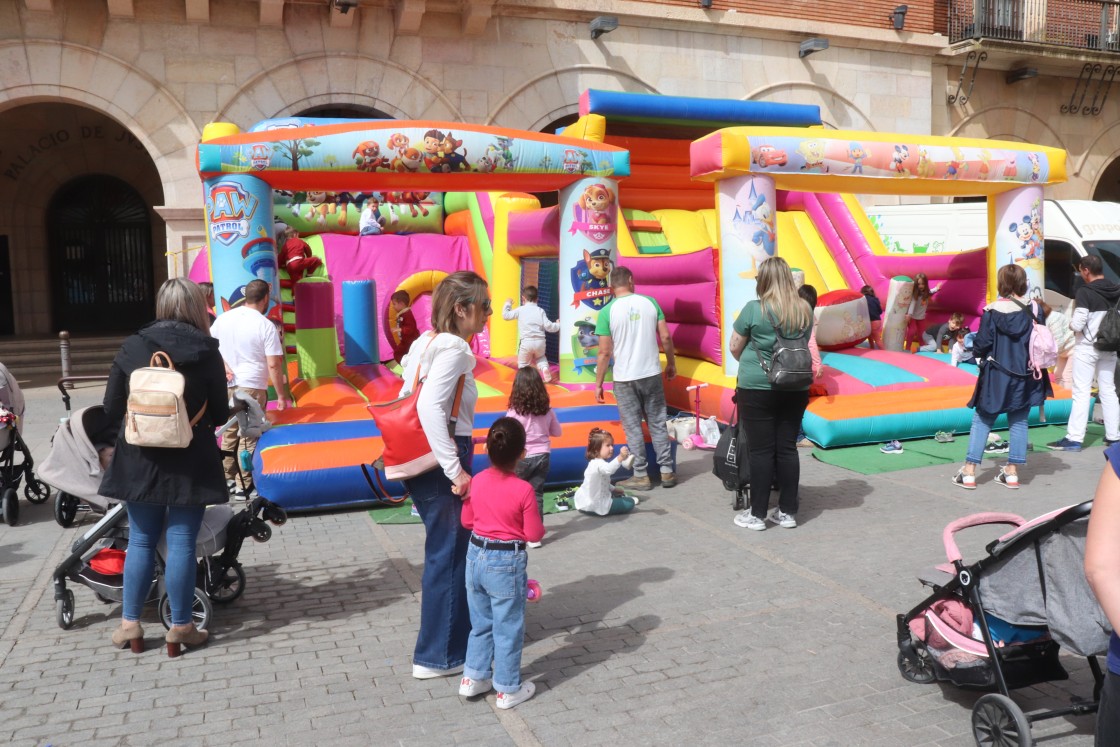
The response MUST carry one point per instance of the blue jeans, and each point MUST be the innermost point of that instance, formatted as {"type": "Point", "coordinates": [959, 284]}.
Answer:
{"type": "Point", "coordinates": [146, 522]}
{"type": "Point", "coordinates": [445, 620]}
{"type": "Point", "coordinates": [982, 426]}
{"type": "Point", "coordinates": [496, 586]}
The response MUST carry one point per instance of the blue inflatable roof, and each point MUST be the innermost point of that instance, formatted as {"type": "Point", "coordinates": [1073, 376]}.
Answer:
{"type": "Point", "coordinates": [685, 110]}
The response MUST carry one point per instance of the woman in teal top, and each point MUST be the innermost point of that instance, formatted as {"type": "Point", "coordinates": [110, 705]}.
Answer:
{"type": "Point", "coordinates": [772, 417]}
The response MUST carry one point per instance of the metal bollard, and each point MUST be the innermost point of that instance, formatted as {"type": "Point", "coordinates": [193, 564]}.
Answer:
{"type": "Point", "coordinates": [64, 352]}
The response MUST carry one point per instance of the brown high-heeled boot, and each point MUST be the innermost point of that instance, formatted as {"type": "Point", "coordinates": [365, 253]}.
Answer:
{"type": "Point", "coordinates": [129, 638]}
{"type": "Point", "coordinates": [186, 635]}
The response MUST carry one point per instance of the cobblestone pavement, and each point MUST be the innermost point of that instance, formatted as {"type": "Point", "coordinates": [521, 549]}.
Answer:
{"type": "Point", "coordinates": [667, 626]}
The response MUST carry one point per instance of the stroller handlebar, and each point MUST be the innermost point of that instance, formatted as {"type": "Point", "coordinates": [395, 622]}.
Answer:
{"type": "Point", "coordinates": [974, 520]}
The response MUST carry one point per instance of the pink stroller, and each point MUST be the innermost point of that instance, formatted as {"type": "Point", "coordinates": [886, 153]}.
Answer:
{"type": "Point", "coordinates": [998, 623]}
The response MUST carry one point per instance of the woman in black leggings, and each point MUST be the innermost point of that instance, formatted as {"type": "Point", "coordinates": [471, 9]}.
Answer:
{"type": "Point", "coordinates": [772, 416]}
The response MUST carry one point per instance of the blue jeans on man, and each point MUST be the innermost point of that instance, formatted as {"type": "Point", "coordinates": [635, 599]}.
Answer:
{"type": "Point", "coordinates": [496, 587]}
{"type": "Point", "coordinates": [146, 522]}
{"type": "Point", "coordinates": [445, 619]}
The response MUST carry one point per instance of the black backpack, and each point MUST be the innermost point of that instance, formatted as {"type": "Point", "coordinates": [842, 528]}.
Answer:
{"type": "Point", "coordinates": [1108, 333]}
{"type": "Point", "coordinates": [791, 365]}
{"type": "Point", "coordinates": [730, 462]}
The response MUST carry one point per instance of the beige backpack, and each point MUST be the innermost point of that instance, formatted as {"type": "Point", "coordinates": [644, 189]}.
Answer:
{"type": "Point", "coordinates": [157, 413]}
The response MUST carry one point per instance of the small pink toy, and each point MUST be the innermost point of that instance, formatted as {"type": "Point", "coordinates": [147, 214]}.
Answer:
{"type": "Point", "coordinates": [533, 593]}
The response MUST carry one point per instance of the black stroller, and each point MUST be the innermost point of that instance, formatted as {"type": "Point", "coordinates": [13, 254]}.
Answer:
{"type": "Point", "coordinates": [12, 472]}
{"type": "Point", "coordinates": [998, 623]}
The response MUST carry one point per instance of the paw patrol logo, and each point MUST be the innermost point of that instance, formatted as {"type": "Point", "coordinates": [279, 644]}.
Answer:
{"type": "Point", "coordinates": [230, 208]}
{"type": "Point", "coordinates": [260, 157]}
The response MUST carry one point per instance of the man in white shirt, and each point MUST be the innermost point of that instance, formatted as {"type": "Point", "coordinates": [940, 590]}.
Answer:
{"type": "Point", "coordinates": [532, 324]}
{"type": "Point", "coordinates": [253, 354]}
{"type": "Point", "coordinates": [629, 328]}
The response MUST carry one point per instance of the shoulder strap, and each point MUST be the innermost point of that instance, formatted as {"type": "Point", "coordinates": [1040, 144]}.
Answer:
{"type": "Point", "coordinates": [198, 417]}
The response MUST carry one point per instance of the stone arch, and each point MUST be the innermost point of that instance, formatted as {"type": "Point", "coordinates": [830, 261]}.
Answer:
{"type": "Point", "coordinates": [845, 115]}
{"type": "Point", "coordinates": [1108, 140]}
{"type": "Point", "coordinates": [38, 70]}
{"type": "Point", "coordinates": [1106, 167]}
{"type": "Point", "coordinates": [986, 123]}
{"type": "Point", "coordinates": [531, 105]}
{"type": "Point", "coordinates": [318, 79]}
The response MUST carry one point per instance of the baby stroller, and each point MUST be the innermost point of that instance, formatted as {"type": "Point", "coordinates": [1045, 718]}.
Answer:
{"type": "Point", "coordinates": [96, 560]}
{"type": "Point", "coordinates": [998, 623]}
{"type": "Point", "coordinates": [11, 445]}
{"type": "Point", "coordinates": [75, 467]}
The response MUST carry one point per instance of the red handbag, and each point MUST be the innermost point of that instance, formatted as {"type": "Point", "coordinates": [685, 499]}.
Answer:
{"type": "Point", "coordinates": [404, 455]}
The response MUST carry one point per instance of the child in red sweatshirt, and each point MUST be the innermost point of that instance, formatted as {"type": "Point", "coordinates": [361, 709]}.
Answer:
{"type": "Point", "coordinates": [404, 327]}
{"type": "Point", "coordinates": [502, 513]}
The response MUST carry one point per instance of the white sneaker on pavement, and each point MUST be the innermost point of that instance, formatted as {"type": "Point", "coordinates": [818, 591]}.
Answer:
{"type": "Point", "coordinates": [469, 688]}
{"type": "Point", "coordinates": [509, 700]}
{"type": "Point", "coordinates": [421, 672]}
{"type": "Point", "coordinates": [748, 520]}
{"type": "Point", "coordinates": [782, 519]}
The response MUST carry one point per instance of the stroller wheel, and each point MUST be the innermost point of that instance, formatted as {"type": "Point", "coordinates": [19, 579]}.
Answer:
{"type": "Point", "coordinates": [263, 533]}
{"type": "Point", "coordinates": [65, 509]}
{"type": "Point", "coordinates": [229, 586]}
{"type": "Point", "coordinates": [64, 610]}
{"type": "Point", "coordinates": [740, 501]}
{"type": "Point", "coordinates": [998, 722]}
{"type": "Point", "coordinates": [9, 506]}
{"type": "Point", "coordinates": [202, 612]}
{"type": "Point", "coordinates": [35, 491]}
{"type": "Point", "coordinates": [276, 515]}
{"type": "Point", "coordinates": [918, 669]}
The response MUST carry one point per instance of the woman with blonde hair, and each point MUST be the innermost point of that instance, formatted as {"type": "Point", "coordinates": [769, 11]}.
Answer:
{"type": "Point", "coordinates": [443, 358]}
{"type": "Point", "coordinates": [167, 490]}
{"type": "Point", "coordinates": [772, 416]}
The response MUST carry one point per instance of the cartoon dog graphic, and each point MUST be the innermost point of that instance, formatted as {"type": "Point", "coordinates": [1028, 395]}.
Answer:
{"type": "Point", "coordinates": [451, 160]}
{"type": "Point", "coordinates": [368, 157]}
{"type": "Point", "coordinates": [398, 142]}
{"type": "Point", "coordinates": [408, 162]}
{"type": "Point", "coordinates": [322, 204]}
{"type": "Point", "coordinates": [925, 165]}
{"type": "Point", "coordinates": [597, 266]}
{"type": "Point", "coordinates": [414, 200]}
{"type": "Point", "coordinates": [597, 202]}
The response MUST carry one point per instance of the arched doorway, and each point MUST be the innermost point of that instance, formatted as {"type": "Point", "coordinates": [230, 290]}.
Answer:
{"type": "Point", "coordinates": [100, 252]}
{"type": "Point", "coordinates": [1108, 186]}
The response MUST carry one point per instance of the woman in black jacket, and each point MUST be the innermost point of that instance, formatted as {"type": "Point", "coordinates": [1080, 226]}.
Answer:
{"type": "Point", "coordinates": [167, 488]}
{"type": "Point", "coordinates": [1005, 383]}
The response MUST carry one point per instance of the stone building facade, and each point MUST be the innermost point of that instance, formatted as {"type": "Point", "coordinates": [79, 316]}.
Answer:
{"type": "Point", "coordinates": [102, 102]}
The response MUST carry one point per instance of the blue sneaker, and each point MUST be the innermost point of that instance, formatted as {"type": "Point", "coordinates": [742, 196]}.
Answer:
{"type": "Point", "coordinates": [892, 447]}
{"type": "Point", "coordinates": [1064, 445]}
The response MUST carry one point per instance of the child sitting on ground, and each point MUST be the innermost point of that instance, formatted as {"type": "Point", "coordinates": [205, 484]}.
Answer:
{"type": "Point", "coordinates": [1058, 324]}
{"type": "Point", "coordinates": [529, 405]}
{"type": "Point", "coordinates": [875, 313]}
{"type": "Point", "coordinates": [962, 347]}
{"type": "Point", "coordinates": [532, 323]}
{"type": "Point", "coordinates": [404, 327]}
{"type": "Point", "coordinates": [939, 336]}
{"type": "Point", "coordinates": [595, 495]}
{"type": "Point", "coordinates": [503, 516]}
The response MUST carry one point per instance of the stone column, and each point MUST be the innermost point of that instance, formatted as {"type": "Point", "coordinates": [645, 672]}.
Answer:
{"type": "Point", "coordinates": [747, 214]}
{"type": "Point", "coordinates": [589, 218]}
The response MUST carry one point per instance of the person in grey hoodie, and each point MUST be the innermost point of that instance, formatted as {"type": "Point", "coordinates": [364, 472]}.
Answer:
{"type": "Point", "coordinates": [1094, 299]}
{"type": "Point", "coordinates": [1005, 384]}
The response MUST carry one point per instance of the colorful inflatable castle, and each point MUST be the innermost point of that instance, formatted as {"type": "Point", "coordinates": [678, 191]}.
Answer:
{"type": "Point", "coordinates": [440, 197]}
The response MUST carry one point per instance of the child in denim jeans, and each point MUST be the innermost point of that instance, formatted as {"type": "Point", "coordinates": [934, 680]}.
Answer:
{"type": "Point", "coordinates": [502, 513]}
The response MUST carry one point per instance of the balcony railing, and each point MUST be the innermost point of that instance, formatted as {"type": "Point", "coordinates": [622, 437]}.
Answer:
{"type": "Point", "coordinates": [1076, 24]}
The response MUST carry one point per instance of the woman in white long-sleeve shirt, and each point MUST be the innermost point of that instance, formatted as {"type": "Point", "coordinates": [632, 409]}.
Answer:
{"type": "Point", "coordinates": [460, 308]}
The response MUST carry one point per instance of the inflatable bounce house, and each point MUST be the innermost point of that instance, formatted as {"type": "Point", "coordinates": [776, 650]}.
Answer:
{"type": "Point", "coordinates": [634, 179]}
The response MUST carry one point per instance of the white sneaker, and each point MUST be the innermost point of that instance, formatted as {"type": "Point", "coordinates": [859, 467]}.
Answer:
{"type": "Point", "coordinates": [421, 672]}
{"type": "Point", "coordinates": [532, 545]}
{"type": "Point", "coordinates": [509, 700]}
{"type": "Point", "coordinates": [469, 688]}
{"type": "Point", "coordinates": [749, 521]}
{"type": "Point", "coordinates": [782, 519]}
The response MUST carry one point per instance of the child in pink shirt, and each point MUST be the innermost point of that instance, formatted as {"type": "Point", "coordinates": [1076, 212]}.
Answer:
{"type": "Point", "coordinates": [502, 513]}
{"type": "Point", "coordinates": [529, 405]}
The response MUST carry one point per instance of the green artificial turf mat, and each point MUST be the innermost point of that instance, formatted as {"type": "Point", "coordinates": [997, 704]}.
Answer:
{"type": "Point", "coordinates": [402, 513]}
{"type": "Point", "coordinates": [926, 452]}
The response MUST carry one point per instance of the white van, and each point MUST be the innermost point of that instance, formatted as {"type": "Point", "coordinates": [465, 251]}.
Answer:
{"type": "Point", "coordinates": [1073, 228]}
